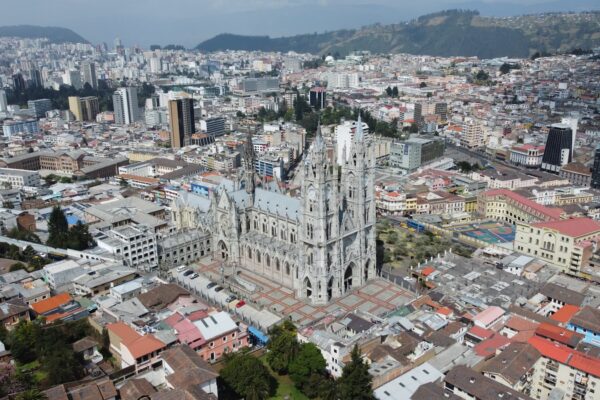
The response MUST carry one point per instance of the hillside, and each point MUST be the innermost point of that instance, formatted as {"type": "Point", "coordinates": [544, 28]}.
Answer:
{"type": "Point", "coordinates": [52, 33]}
{"type": "Point", "coordinates": [447, 33]}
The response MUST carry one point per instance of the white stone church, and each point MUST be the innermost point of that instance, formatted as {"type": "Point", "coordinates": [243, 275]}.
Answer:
{"type": "Point", "coordinates": [320, 244]}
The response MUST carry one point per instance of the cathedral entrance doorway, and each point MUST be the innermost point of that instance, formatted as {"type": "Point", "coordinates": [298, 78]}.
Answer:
{"type": "Point", "coordinates": [307, 288]}
{"type": "Point", "coordinates": [330, 289]}
{"type": "Point", "coordinates": [223, 252]}
{"type": "Point", "coordinates": [348, 277]}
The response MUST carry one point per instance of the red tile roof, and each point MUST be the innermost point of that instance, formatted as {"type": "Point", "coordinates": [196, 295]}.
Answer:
{"type": "Point", "coordinates": [558, 334]}
{"type": "Point", "coordinates": [567, 356]}
{"type": "Point", "coordinates": [427, 271]}
{"type": "Point", "coordinates": [144, 345]}
{"type": "Point", "coordinates": [488, 347]}
{"type": "Point", "coordinates": [51, 303]}
{"type": "Point", "coordinates": [548, 349]}
{"type": "Point", "coordinates": [554, 213]}
{"type": "Point", "coordinates": [126, 333]}
{"type": "Point", "coordinates": [565, 314]}
{"type": "Point", "coordinates": [480, 332]}
{"type": "Point", "coordinates": [575, 227]}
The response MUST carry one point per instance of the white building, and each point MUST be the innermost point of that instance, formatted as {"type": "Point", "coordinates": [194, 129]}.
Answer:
{"type": "Point", "coordinates": [125, 103]}
{"type": "Point", "coordinates": [135, 245]}
{"type": "Point", "coordinates": [3, 101]}
{"type": "Point", "coordinates": [62, 273]}
{"type": "Point", "coordinates": [527, 155]}
{"type": "Point", "coordinates": [344, 134]}
{"type": "Point", "coordinates": [72, 77]}
{"type": "Point", "coordinates": [11, 178]}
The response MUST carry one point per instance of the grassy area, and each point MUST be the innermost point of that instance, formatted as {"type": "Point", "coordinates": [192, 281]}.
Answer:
{"type": "Point", "coordinates": [285, 386]}
{"type": "Point", "coordinates": [33, 368]}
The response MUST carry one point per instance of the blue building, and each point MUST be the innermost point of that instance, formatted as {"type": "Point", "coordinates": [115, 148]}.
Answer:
{"type": "Point", "coordinates": [587, 322]}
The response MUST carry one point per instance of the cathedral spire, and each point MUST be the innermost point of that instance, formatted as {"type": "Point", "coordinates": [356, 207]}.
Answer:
{"type": "Point", "coordinates": [359, 135]}
{"type": "Point", "coordinates": [249, 161]}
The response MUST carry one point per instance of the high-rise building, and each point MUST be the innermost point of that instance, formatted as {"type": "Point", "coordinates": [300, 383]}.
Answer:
{"type": "Point", "coordinates": [18, 82]}
{"type": "Point", "coordinates": [472, 135]}
{"type": "Point", "coordinates": [125, 103]}
{"type": "Point", "coordinates": [317, 98]}
{"type": "Point", "coordinates": [214, 126]}
{"type": "Point", "coordinates": [84, 108]}
{"type": "Point", "coordinates": [181, 121]}
{"type": "Point", "coordinates": [73, 78]}
{"type": "Point", "coordinates": [596, 169]}
{"type": "Point", "coordinates": [39, 107]}
{"type": "Point", "coordinates": [89, 74]}
{"type": "Point", "coordinates": [155, 65]}
{"type": "Point", "coordinates": [35, 78]}
{"type": "Point", "coordinates": [559, 148]}
{"type": "Point", "coordinates": [3, 101]}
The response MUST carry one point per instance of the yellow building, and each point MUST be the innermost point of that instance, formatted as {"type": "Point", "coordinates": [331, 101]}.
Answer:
{"type": "Point", "coordinates": [507, 206]}
{"type": "Point", "coordinates": [568, 244]}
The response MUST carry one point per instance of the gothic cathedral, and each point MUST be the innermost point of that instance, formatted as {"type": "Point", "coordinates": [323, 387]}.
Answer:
{"type": "Point", "coordinates": [321, 244]}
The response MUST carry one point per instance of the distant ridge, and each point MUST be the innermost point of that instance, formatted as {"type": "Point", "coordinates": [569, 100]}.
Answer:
{"type": "Point", "coordinates": [447, 33]}
{"type": "Point", "coordinates": [53, 33]}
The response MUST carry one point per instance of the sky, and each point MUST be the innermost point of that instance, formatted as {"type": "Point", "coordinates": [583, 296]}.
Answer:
{"type": "Point", "coordinates": [188, 22]}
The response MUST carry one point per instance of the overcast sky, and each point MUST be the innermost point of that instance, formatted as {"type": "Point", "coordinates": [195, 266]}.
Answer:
{"type": "Point", "coordinates": [188, 22]}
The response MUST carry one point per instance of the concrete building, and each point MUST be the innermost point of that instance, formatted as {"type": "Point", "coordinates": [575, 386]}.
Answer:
{"type": "Point", "coordinates": [181, 122]}
{"type": "Point", "coordinates": [560, 369]}
{"type": "Point", "coordinates": [40, 107]}
{"type": "Point", "coordinates": [577, 173]}
{"type": "Point", "coordinates": [559, 148]}
{"type": "Point", "coordinates": [84, 108]}
{"type": "Point", "coordinates": [183, 247]}
{"type": "Point", "coordinates": [344, 135]}
{"type": "Point", "coordinates": [472, 135]}
{"type": "Point", "coordinates": [596, 169]}
{"type": "Point", "coordinates": [73, 78]}
{"type": "Point", "coordinates": [59, 275]}
{"type": "Point", "coordinates": [415, 151]}
{"type": "Point", "coordinates": [568, 244]}
{"type": "Point", "coordinates": [88, 70]}
{"type": "Point", "coordinates": [125, 103]}
{"type": "Point", "coordinates": [136, 245]}
{"type": "Point", "coordinates": [317, 98]}
{"type": "Point", "coordinates": [17, 178]}
{"type": "Point", "coordinates": [214, 126]}
{"type": "Point", "coordinates": [3, 101]}
{"type": "Point", "coordinates": [259, 85]}
{"type": "Point", "coordinates": [527, 155]}
{"type": "Point", "coordinates": [17, 126]}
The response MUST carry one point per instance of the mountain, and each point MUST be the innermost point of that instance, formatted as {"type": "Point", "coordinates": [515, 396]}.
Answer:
{"type": "Point", "coordinates": [446, 33]}
{"type": "Point", "coordinates": [52, 33]}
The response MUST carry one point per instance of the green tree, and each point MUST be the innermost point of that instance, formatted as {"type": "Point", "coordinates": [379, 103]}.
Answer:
{"type": "Point", "coordinates": [58, 228]}
{"type": "Point", "coordinates": [79, 237]}
{"type": "Point", "coordinates": [395, 91]}
{"type": "Point", "coordinates": [388, 91]}
{"type": "Point", "coordinates": [355, 382]}
{"type": "Point", "coordinates": [307, 368]}
{"type": "Point", "coordinates": [283, 348]}
{"type": "Point", "coordinates": [247, 377]}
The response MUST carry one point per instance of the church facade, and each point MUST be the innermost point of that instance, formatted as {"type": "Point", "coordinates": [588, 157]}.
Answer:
{"type": "Point", "coordinates": [320, 244]}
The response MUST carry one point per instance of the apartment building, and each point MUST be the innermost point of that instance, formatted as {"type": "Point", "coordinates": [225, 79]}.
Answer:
{"type": "Point", "coordinates": [577, 173]}
{"type": "Point", "coordinates": [11, 178]}
{"type": "Point", "coordinates": [568, 244]}
{"type": "Point", "coordinates": [563, 369]}
{"type": "Point", "coordinates": [136, 245]}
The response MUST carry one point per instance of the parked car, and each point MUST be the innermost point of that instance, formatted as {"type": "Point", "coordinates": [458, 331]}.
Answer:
{"type": "Point", "coordinates": [229, 299]}
{"type": "Point", "coordinates": [240, 304]}
{"type": "Point", "coordinates": [181, 268]}
{"type": "Point", "coordinates": [188, 272]}
{"type": "Point", "coordinates": [218, 289]}
{"type": "Point", "coordinates": [211, 285]}
{"type": "Point", "coordinates": [194, 276]}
